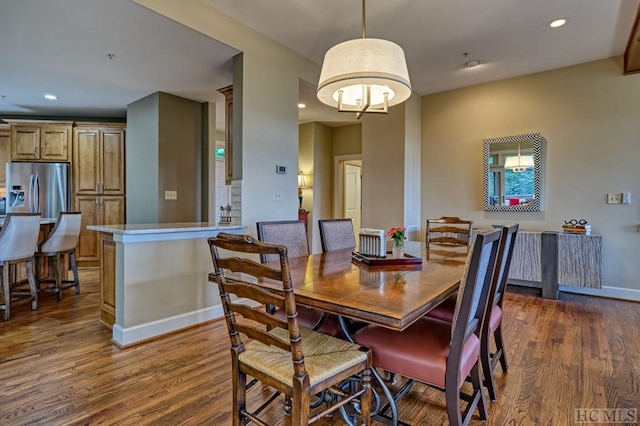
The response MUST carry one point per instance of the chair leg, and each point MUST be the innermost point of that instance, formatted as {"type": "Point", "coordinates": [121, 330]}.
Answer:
{"type": "Point", "coordinates": [239, 395]}
{"type": "Point", "coordinates": [452, 397]}
{"type": "Point", "coordinates": [300, 405]}
{"type": "Point", "coordinates": [74, 270]}
{"type": "Point", "coordinates": [500, 351]}
{"type": "Point", "coordinates": [487, 365]}
{"type": "Point", "coordinates": [476, 381]}
{"type": "Point", "coordinates": [365, 398]}
{"type": "Point", "coordinates": [57, 273]}
{"type": "Point", "coordinates": [6, 295]}
{"type": "Point", "coordinates": [32, 284]}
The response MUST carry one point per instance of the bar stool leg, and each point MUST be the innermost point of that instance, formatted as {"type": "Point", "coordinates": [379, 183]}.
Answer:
{"type": "Point", "coordinates": [6, 295]}
{"type": "Point", "coordinates": [74, 269]}
{"type": "Point", "coordinates": [58, 270]}
{"type": "Point", "coordinates": [32, 284]}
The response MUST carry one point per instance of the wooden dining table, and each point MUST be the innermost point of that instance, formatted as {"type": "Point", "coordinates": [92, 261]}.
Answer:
{"type": "Point", "coordinates": [392, 296]}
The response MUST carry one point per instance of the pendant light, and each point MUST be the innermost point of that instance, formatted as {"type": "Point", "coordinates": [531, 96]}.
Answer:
{"type": "Point", "coordinates": [364, 75]}
{"type": "Point", "coordinates": [520, 163]}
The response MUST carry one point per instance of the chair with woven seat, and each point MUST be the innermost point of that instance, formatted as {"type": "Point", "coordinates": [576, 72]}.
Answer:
{"type": "Point", "coordinates": [448, 232]}
{"type": "Point", "coordinates": [492, 325]}
{"type": "Point", "coordinates": [61, 241]}
{"type": "Point", "coordinates": [298, 362]}
{"type": "Point", "coordinates": [442, 354]}
{"type": "Point", "coordinates": [293, 235]}
{"type": "Point", "coordinates": [336, 234]}
{"type": "Point", "coordinates": [18, 240]}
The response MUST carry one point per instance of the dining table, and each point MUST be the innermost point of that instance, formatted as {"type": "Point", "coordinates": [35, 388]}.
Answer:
{"type": "Point", "coordinates": [386, 293]}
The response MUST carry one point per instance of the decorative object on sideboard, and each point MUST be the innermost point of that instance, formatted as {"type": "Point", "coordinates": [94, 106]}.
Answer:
{"type": "Point", "coordinates": [576, 226]}
{"type": "Point", "coordinates": [225, 215]}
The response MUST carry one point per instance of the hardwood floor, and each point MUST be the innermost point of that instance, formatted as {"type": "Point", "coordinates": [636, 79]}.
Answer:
{"type": "Point", "coordinates": [58, 367]}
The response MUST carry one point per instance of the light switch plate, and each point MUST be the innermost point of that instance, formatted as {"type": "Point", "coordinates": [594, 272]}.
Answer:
{"type": "Point", "coordinates": [614, 198]}
{"type": "Point", "coordinates": [170, 195]}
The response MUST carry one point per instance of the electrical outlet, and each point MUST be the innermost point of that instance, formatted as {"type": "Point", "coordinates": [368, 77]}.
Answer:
{"type": "Point", "coordinates": [614, 198]}
{"type": "Point", "coordinates": [277, 196]}
{"type": "Point", "coordinates": [170, 195]}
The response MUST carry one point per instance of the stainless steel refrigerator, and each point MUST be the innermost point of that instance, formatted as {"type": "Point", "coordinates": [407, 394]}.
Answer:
{"type": "Point", "coordinates": [38, 188]}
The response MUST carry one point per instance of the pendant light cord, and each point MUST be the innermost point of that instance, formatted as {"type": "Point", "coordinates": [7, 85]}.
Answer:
{"type": "Point", "coordinates": [364, 25]}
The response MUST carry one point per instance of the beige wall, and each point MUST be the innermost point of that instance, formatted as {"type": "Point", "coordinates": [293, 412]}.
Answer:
{"type": "Point", "coordinates": [589, 115]}
{"type": "Point", "coordinates": [347, 140]}
{"type": "Point", "coordinates": [164, 152]}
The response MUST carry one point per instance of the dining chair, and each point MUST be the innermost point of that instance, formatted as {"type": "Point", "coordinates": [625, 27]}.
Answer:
{"type": "Point", "coordinates": [492, 325]}
{"type": "Point", "coordinates": [18, 240]}
{"type": "Point", "coordinates": [442, 354]}
{"type": "Point", "coordinates": [61, 241]}
{"type": "Point", "coordinates": [293, 235]}
{"type": "Point", "coordinates": [448, 232]}
{"type": "Point", "coordinates": [336, 234]}
{"type": "Point", "coordinates": [298, 362]}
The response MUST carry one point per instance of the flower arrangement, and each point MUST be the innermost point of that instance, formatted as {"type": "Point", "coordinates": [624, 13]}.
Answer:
{"type": "Point", "coordinates": [398, 235]}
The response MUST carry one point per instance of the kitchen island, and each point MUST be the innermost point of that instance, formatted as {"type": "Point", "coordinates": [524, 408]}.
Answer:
{"type": "Point", "coordinates": [154, 278]}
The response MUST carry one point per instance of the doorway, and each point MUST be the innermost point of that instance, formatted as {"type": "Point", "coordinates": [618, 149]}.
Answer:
{"type": "Point", "coordinates": [348, 190]}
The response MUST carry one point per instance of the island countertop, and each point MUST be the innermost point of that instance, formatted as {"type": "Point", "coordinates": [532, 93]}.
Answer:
{"type": "Point", "coordinates": [163, 228]}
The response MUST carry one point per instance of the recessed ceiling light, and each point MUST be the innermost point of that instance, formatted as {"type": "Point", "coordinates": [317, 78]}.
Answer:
{"type": "Point", "coordinates": [50, 97]}
{"type": "Point", "coordinates": [301, 105]}
{"type": "Point", "coordinates": [472, 63]}
{"type": "Point", "coordinates": [556, 23]}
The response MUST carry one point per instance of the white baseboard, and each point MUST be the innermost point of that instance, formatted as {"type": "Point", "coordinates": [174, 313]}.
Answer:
{"type": "Point", "coordinates": [139, 333]}
{"type": "Point", "coordinates": [610, 292]}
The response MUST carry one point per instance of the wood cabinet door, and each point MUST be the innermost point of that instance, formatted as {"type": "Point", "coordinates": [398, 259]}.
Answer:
{"type": "Point", "coordinates": [25, 143]}
{"type": "Point", "coordinates": [112, 210]}
{"type": "Point", "coordinates": [86, 161]}
{"type": "Point", "coordinates": [54, 143]}
{"type": "Point", "coordinates": [88, 249]}
{"type": "Point", "coordinates": [113, 162]}
{"type": "Point", "coordinates": [5, 154]}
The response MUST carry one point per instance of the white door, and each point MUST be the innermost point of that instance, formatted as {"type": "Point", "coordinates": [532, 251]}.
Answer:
{"type": "Point", "coordinates": [352, 193]}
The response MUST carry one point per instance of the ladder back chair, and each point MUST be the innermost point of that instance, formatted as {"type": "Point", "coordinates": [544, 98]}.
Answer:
{"type": "Point", "coordinates": [298, 362]}
{"type": "Point", "coordinates": [441, 354]}
{"type": "Point", "coordinates": [18, 240]}
{"type": "Point", "coordinates": [61, 241]}
{"type": "Point", "coordinates": [448, 232]}
{"type": "Point", "coordinates": [336, 234]}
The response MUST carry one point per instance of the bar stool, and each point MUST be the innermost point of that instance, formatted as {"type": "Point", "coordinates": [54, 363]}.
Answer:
{"type": "Point", "coordinates": [62, 241]}
{"type": "Point", "coordinates": [18, 240]}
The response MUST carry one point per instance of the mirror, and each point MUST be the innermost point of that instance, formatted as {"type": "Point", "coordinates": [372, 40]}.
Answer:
{"type": "Point", "coordinates": [512, 173]}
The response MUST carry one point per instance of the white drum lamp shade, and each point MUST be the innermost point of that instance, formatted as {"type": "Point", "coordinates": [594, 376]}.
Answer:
{"type": "Point", "coordinates": [351, 66]}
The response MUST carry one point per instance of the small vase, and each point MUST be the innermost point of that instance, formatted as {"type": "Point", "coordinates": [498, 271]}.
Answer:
{"type": "Point", "coordinates": [398, 249]}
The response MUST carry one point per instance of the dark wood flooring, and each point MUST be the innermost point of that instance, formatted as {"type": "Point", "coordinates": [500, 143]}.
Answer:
{"type": "Point", "coordinates": [58, 367]}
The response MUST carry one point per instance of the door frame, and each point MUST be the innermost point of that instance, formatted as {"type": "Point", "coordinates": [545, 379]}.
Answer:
{"type": "Point", "coordinates": [338, 181]}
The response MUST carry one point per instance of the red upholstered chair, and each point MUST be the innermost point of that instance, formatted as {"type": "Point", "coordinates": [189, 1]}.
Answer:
{"type": "Point", "coordinates": [491, 328]}
{"type": "Point", "coordinates": [442, 354]}
{"type": "Point", "coordinates": [295, 361]}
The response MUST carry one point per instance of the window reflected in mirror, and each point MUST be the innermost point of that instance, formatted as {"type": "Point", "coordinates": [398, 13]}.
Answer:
{"type": "Point", "coordinates": [512, 173]}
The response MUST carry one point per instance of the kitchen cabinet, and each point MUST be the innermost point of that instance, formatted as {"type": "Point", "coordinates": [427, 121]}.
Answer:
{"type": "Point", "coordinates": [40, 141]}
{"type": "Point", "coordinates": [98, 160]}
{"type": "Point", "coordinates": [5, 153]}
{"type": "Point", "coordinates": [96, 210]}
{"type": "Point", "coordinates": [228, 132]}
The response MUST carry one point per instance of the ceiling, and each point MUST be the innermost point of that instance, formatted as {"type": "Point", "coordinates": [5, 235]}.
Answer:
{"type": "Point", "coordinates": [61, 46]}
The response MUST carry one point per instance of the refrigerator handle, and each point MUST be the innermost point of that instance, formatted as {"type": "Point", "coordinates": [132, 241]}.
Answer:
{"type": "Point", "coordinates": [36, 190]}
{"type": "Point", "coordinates": [31, 192]}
